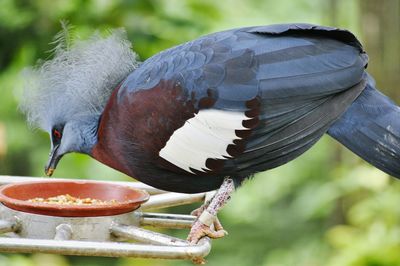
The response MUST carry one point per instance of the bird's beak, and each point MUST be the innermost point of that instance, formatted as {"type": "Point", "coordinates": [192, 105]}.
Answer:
{"type": "Point", "coordinates": [53, 161]}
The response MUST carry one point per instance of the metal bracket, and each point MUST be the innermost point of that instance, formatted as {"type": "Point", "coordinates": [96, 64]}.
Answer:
{"type": "Point", "coordinates": [109, 236]}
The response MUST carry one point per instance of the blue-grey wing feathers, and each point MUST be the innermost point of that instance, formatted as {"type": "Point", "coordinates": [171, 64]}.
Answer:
{"type": "Point", "coordinates": [303, 76]}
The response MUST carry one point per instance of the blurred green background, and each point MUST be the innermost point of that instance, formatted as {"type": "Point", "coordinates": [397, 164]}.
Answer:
{"type": "Point", "coordinates": [326, 208]}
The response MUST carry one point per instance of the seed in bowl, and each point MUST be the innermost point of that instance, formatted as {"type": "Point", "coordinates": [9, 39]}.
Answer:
{"type": "Point", "coordinates": [70, 200]}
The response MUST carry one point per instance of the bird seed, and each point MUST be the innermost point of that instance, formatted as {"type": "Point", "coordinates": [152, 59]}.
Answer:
{"type": "Point", "coordinates": [70, 200]}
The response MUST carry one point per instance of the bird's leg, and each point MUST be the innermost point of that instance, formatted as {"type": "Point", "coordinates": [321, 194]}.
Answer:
{"type": "Point", "coordinates": [201, 227]}
{"type": "Point", "coordinates": [197, 212]}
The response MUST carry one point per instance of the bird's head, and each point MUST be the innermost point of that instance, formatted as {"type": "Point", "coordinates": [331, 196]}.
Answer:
{"type": "Point", "coordinates": [66, 95]}
{"type": "Point", "coordinates": [77, 135]}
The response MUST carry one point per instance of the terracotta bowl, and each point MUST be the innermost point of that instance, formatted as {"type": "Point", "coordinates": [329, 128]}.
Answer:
{"type": "Point", "coordinates": [15, 196]}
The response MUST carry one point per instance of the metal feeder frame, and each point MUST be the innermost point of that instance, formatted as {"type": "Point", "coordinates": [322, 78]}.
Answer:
{"type": "Point", "coordinates": [149, 244]}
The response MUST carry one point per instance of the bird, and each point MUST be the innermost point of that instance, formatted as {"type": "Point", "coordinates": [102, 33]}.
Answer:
{"type": "Point", "coordinates": [212, 112]}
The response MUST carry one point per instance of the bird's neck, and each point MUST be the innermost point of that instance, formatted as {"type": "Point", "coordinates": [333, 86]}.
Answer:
{"type": "Point", "coordinates": [105, 149]}
{"type": "Point", "coordinates": [89, 130]}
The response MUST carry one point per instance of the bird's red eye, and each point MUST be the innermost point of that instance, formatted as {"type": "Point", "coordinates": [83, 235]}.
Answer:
{"type": "Point", "coordinates": [57, 134]}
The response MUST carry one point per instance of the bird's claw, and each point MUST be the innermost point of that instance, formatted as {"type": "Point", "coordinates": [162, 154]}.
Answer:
{"type": "Point", "coordinates": [197, 212]}
{"type": "Point", "coordinates": [200, 230]}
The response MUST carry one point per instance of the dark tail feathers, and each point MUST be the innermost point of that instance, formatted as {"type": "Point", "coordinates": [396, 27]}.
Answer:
{"type": "Point", "coordinates": [371, 129]}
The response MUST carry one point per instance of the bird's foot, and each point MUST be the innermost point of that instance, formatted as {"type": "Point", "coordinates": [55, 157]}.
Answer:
{"type": "Point", "coordinates": [200, 230]}
{"type": "Point", "coordinates": [216, 223]}
{"type": "Point", "coordinates": [207, 223]}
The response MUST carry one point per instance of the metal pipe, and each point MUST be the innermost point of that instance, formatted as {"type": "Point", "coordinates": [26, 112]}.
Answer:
{"type": "Point", "coordinates": [171, 199]}
{"type": "Point", "coordinates": [166, 220]}
{"type": "Point", "coordinates": [8, 226]}
{"type": "Point", "coordinates": [5, 179]}
{"type": "Point", "coordinates": [106, 249]}
{"type": "Point", "coordinates": [145, 236]}
{"type": "Point", "coordinates": [63, 232]}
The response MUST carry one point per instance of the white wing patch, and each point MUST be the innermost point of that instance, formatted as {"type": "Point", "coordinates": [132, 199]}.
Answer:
{"type": "Point", "coordinates": [204, 136]}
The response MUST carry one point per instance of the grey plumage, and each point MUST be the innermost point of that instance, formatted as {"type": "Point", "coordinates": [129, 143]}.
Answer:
{"type": "Point", "coordinates": [78, 81]}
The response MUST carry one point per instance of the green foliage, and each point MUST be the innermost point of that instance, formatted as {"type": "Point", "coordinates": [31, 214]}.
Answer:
{"type": "Point", "coordinates": [325, 208]}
